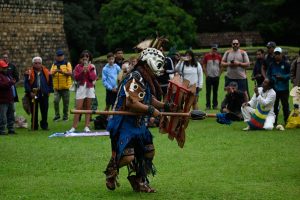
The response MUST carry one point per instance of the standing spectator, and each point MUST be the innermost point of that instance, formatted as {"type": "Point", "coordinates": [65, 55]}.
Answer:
{"type": "Point", "coordinates": [257, 69]}
{"type": "Point", "coordinates": [13, 72]}
{"type": "Point", "coordinates": [124, 71]}
{"type": "Point", "coordinates": [7, 110]}
{"type": "Point", "coordinates": [109, 78]}
{"type": "Point", "coordinates": [236, 62]}
{"type": "Point", "coordinates": [279, 72]}
{"type": "Point", "coordinates": [61, 71]}
{"type": "Point", "coordinates": [269, 58]}
{"type": "Point", "coordinates": [233, 101]}
{"type": "Point", "coordinates": [262, 102]}
{"type": "Point", "coordinates": [169, 70]}
{"type": "Point", "coordinates": [295, 71]}
{"type": "Point", "coordinates": [85, 76]}
{"type": "Point", "coordinates": [212, 71]}
{"type": "Point", "coordinates": [119, 56]}
{"type": "Point", "coordinates": [191, 70]}
{"type": "Point", "coordinates": [38, 85]}
{"type": "Point", "coordinates": [12, 69]}
{"type": "Point", "coordinates": [133, 60]}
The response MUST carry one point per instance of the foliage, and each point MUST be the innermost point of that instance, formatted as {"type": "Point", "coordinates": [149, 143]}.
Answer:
{"type": "Point", "coordinates": [81, 27]}
{"type": "Point", "coordinates": [102, 25]}
{"type": "Point", "coordinates": [274, 19]}
{"type": "Point", "coordinates": [141, 19]}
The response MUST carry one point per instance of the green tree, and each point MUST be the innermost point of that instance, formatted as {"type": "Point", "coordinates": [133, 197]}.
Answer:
{"type": "Point", "coordinates": [275, 19]}
{"type": "Point", "coordinates": [81, 27]}
{"type": "Point", "coordinates": [216, 16]}
{"type": "Point", "coordinates": [126, 23]}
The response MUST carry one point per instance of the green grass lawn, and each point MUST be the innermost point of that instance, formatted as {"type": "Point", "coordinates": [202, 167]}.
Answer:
{"type": "Point", "coordinates": [217, 162]}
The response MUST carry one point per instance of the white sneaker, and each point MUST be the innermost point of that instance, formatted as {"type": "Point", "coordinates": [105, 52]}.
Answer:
{"type": "Point", "coordinates": [87, 130]}
{"type": "Point", "coordinates": [72, 130]}
{"type": "Point", "coordinates": [280, 127]}
{"type": "Point", "coordinates": [246, 129]}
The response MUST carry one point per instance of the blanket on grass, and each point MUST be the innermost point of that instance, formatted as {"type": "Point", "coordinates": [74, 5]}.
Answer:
{"type": "Point", "coordinates": [80, 134]}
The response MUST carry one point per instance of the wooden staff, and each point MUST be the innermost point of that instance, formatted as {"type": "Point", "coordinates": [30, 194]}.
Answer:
{"type": "Point", "coordinates": [195, 114]}
{"type": "Point", "coordinates": [35, 91]}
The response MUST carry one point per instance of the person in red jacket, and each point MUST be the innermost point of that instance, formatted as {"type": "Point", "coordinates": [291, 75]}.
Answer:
{"type": "Point", "coordinates": [85, 76]}
{"type": "Point", "coordinates": [7, 118]}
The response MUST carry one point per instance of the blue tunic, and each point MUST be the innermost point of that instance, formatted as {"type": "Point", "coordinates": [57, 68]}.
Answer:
{"type": "Point", "coordinates": [125, 129]}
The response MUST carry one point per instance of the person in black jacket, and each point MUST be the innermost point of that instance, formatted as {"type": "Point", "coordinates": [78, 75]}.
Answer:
{"type": "Point", "coordinates": [233, 101]}
{"type": "Point", "coordinates": [256, 73]}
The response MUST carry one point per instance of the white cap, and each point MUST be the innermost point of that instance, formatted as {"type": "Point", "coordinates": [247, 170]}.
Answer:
{"type": "Point", "coordinates": [278, 49]}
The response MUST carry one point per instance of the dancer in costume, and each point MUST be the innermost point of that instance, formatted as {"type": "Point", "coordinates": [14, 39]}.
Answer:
{"type": "Point", "coordinates": [131, 140]}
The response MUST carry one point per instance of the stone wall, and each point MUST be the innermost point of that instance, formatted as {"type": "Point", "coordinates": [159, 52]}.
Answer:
{"type": "Point", "coordinates": [224, 39]}
{"type": "Point", "coordinates": [31, 28]}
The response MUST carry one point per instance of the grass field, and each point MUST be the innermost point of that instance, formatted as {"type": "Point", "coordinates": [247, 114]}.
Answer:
{"type": "Point", "coordinates": [217, 162]}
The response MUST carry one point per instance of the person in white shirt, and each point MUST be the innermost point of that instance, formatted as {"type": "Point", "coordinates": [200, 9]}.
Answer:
{"type": "Point", "coordinates": [259, 111]}
{"type": "Point", "coordinates": [190, 69]}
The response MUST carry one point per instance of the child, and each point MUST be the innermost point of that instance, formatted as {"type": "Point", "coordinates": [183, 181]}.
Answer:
{"type": "Point", "coordinates": [109, 78]}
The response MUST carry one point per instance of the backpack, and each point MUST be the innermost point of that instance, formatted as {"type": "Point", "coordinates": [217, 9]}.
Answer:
{"type": "Point", "coordinates": [100, 122]}
{"type": "Point", "coordinates": [242, 52]}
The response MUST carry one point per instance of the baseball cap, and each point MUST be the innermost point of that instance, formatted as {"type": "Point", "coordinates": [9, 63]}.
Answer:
{"type": "Point", "coordinates": [3, 64]}
{"type": "Point", "coordinates": [214, 46]}
{"type": "Point", "coordinates": [271, 44]}
{"type": "Point", "coordinates": [59, 52]}
{"type": "Point", "coordinates": [278, 49]}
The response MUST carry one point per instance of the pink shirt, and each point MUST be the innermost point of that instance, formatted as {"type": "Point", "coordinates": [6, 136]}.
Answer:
{"type": "Point", "coordinates": [85, 77]}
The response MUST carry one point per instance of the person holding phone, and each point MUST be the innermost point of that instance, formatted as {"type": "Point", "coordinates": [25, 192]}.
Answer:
{"type": "Point", "coordinates": [236, 61]}
{"type": "Point", "coordinates": [85, 75]}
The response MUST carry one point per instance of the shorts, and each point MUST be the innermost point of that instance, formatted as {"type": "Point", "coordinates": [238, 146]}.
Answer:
{"type": "Point", "coordinates": [83, 92]}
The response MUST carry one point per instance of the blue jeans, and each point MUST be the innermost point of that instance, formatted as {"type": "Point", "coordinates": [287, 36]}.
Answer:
{"type": "Point", "coordinates": [7, 117]}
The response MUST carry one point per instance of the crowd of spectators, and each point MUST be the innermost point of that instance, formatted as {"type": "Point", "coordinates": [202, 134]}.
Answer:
{"type": "Point", "coordinates": [271, 74]}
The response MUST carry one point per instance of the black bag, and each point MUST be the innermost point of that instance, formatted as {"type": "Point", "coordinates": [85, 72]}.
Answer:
{"type": "Point", "coordinates": [100, 122]}
{"type": "Point", "coordinates": [26, 104]}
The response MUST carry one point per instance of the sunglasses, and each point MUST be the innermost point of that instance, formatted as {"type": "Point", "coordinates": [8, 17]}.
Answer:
{"type": "Point", "coordinates": [235, 44]}
{"type": "Point", "coordinates": [277, 53]}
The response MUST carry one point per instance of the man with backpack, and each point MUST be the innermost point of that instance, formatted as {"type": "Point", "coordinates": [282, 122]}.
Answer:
{"type": "Point", "coordinates": [236, 62]}
{"type": "Point", "coordinates": [61, 71]}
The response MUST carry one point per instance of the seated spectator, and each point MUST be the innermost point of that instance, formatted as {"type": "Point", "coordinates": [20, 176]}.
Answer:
{"type": "Point", "coordinates": [233, 101]}
{"type": "Point", "coordinates": [258, 112]}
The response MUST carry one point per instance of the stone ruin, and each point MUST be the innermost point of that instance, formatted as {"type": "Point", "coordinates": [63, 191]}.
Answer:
{"type": "Point", "coordinates": [32, 28]}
